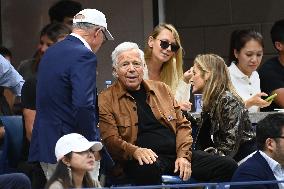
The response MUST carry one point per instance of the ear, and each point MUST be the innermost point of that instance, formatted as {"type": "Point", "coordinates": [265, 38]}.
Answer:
{"type": "Point", "coordinates": [151, 41]}
{"type": "Point", "coordinates": [279, 46]}
{"type": "Point", "coordinates": [270, 144]}
{"type": "Point", "coordinates": [114, 73]}
{"type": "Point", "coordinates": [97, 32]}
{"type": "Point", "coordinates": [207, 76]}
{"type": "Point", "coordinates": [66, 161]}
{"type": "Point", "coordinates": [236, 53]}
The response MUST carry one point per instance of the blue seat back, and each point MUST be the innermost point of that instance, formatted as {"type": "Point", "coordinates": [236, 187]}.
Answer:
{"type": "Point", "coordinates": [170, 179]}
{"type": "Point", "coordinates": [13, 139]}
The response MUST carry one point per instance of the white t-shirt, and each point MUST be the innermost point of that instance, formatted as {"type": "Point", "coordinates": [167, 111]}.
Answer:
{"type": "Point", "coordinates": [245, 86]}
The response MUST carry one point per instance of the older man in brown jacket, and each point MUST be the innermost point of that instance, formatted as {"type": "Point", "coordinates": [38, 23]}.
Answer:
{"type": "Point", "coordinates": [142, 125]}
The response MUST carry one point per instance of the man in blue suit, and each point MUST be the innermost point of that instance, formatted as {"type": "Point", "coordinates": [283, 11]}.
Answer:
{"type": "Point", "coordinates": [66, 100]}
{"type": "Point", "coordinates": [268, 163]}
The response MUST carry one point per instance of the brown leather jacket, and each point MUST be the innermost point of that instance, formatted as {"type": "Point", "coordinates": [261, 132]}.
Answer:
{"type": "Point", "coordinates": [118, 120]}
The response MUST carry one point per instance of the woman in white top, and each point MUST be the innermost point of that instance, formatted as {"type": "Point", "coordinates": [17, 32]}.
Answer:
{"type": "Point", "coordinates": [246, 51]}
{"type": "Point", "coordinates": [163, 55]}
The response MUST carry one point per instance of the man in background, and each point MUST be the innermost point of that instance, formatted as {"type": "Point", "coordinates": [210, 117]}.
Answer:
{"type": "Point", "coordinates": [63, 11]}
{"type": "Point", "coordinates": [268, 162]}
{"type": "Point", "coordinates": [271, 73]}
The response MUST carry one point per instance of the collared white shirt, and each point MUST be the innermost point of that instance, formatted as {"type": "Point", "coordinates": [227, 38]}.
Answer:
{"type": "Point", "coordinates": [82, 39]}
{"type": "Point", "coordinates": [276, 168]}
{"type": "Point", "coordinates": [245, 86]}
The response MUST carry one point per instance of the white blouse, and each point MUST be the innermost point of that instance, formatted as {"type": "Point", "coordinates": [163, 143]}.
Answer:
{"type": "Point", "coordinates": [245, 86]}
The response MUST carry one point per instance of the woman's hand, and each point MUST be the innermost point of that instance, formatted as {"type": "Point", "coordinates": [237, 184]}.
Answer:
{"type": "Point", "coordinates": [256, 100]}
{"type": "Point", "coordinates": [188, 75]}
{"type": "Point", "coordinates": [185, 106]}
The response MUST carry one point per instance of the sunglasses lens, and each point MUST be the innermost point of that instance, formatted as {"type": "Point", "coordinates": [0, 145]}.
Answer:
{"type": "Point", "coordinates": [174, 48]}
{"type": "Point", "coordinates": [164, 44]}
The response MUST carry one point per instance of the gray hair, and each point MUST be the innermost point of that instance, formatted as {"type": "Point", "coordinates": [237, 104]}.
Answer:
{"type": "Point", "coordinates": [85, 26]}
{"type": "Point", "coordinates": [126, 46]}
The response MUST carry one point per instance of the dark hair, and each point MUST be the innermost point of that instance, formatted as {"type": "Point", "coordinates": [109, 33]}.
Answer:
{"type": "Point", "coordinates": [277, 32]}
{"type": "Point", "coordinates": [62, 9]}
{"type": "Point", "coordinates": [61, 174]}
{"type": "Point", "coordinates": [239, 38]}
{"type": "Point", "coordinates": [5, 52]}
{"type": "Point", "coordinates": [269, 127]}
{"type": "Point", "coordinates": [53, 31]}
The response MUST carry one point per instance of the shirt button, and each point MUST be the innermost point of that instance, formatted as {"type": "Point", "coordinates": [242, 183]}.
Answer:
{"type": "Point", "coordinates": [250, 94]}
{"type": "Point", "coordinates": [249, 83]}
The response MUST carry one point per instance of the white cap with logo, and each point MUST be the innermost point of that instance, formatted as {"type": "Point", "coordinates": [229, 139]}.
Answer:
{"type": "Point", "coordinates": [93, 16]}
{"type": "Point", "coordinates": [74, 142]}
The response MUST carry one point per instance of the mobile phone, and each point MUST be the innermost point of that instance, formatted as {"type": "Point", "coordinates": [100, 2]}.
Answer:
{"type": "Point", "coordinates": [271, 97]}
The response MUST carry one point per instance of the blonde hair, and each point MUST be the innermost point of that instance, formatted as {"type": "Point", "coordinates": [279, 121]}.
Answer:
{"type": "Point", "coordinates": [218, 80]}
{"type": "Point", "coordinates": [172, 70]}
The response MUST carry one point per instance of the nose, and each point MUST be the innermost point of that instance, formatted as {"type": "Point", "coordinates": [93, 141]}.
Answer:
{"type": "Point", "coordinates": [169, 48]}
{"type": "Point", "coordinates": [254, 58]}
{"type": "Point", "coordinates": [131, 67]}
{"type": "Point", "coordinates": [43, 48]}
{"type": "Point", "coordinates": [91, 154]}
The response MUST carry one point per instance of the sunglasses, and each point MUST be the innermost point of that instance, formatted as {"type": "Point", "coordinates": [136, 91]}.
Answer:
{"type": "Point", "coordinates": [165, 44]}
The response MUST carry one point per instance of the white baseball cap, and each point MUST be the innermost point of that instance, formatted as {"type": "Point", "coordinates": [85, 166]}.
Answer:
{"type": "Point", "coordinates": [74, 142]}
{"type": "Point", "coordinates": [95, 17]}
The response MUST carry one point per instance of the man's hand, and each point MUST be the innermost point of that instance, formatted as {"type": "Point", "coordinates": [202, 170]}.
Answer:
{"type": "Point", "coordinates": [145, 155]}
{"type": "Point", "coordinates": [184, 167]}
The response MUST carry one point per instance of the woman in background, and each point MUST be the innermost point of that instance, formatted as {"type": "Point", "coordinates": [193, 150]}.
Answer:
{"type": "Point", "coordinates": [225, 127]}
{"type": "Point", "coordinates": [246, 51]}
{"type": "Point", "coordinates": [163, 55]}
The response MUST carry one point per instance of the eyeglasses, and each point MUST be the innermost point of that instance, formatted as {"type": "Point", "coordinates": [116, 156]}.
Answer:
{"type": "Point", "coordinates": [126, 65]}
{"type": "Point", "coordinates": [278, 137]}
{"type": "Point", "coordinates": [165, 44]}
{"type": "Point", "coordinates": [103, 31]}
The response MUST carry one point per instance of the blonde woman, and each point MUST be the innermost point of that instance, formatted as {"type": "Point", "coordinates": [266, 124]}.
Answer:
{"type": "Point", "coordinates": [225, 127]}
{"type": "Point", "coordinates": [163, 55]}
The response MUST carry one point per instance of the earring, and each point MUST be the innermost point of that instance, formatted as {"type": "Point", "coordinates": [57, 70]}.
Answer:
{"type": "Point", "coordinates": [69, 172]}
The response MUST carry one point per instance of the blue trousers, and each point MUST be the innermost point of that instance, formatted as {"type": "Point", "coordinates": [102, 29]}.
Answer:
{"type": "Point", "coordinates": [15, 181]}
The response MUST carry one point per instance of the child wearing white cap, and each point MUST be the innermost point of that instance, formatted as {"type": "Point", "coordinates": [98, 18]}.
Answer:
{"type": "Point", "coordinates": [75, 156]}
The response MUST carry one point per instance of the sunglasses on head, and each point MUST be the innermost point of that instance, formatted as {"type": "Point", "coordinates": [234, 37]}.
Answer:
{"type": "Point", "coordinates": [165, 44]}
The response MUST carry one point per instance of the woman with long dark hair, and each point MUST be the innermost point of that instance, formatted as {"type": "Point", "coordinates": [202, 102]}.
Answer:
{"type": "Point", "coordinates": [75, 156]}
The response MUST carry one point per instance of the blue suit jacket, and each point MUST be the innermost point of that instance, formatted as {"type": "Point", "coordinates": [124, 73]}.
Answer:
{"type": "Point", "coordinates": [255, 168]}
{"type": "Point", "coordinates": [66, 97]}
